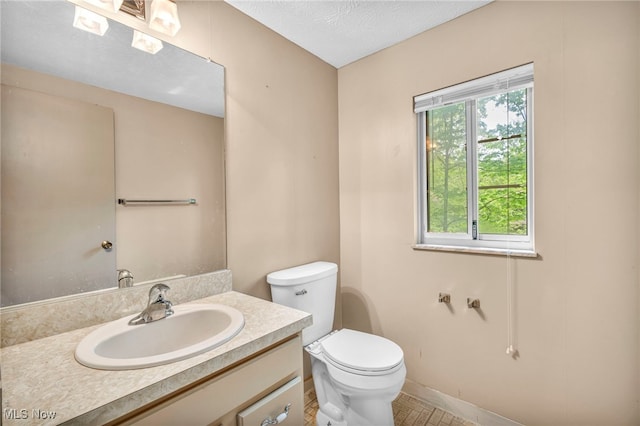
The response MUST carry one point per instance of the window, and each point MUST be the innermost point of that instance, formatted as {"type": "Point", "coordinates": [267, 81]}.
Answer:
{"type": "Point", "coordinates": [475, 164]}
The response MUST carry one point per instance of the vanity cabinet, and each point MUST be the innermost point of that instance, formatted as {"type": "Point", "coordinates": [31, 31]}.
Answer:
{"type": "Point", "coordinates": [245, 395]}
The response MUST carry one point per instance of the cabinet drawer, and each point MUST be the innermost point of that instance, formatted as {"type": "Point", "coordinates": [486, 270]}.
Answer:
{"type": "Point", "coordinates": [288, 398]}
{"type": "Point", "coordinates": [213, 399]}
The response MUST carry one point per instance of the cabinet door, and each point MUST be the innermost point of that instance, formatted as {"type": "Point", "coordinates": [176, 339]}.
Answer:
{"type": "Point", "coordinates": [284, 405]}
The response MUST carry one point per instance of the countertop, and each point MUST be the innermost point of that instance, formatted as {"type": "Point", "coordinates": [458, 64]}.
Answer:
{"type": "Point", "coordinates": [43, 384]}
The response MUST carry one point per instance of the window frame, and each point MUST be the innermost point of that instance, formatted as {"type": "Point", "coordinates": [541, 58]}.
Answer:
{"type": "Point", "coordinates": [469, 92]}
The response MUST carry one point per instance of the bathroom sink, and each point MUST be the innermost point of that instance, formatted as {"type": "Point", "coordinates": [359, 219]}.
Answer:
{"type": "Point", "coordinates": [191, 330]}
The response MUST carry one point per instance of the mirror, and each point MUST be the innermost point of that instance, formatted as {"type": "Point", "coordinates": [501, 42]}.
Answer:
{"type": "Point", "coordinates": [145, 127]}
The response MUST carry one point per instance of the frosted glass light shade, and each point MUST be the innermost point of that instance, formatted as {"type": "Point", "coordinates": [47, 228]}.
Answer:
{"type": "Point", "coordinates": [110, 5]}
{"type": "Point", "coordinates": [146, 43]}
{"type": "Point", "coordinates": [164, 17]}
{"type": "Point", "coordinates": [90, 21]}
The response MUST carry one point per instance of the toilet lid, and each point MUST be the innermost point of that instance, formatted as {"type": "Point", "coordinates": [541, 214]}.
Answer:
{"type": "Point", "coordinates": [361, 351]}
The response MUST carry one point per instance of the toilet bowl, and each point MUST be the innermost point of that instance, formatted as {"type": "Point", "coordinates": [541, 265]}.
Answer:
{"type": "Point", "coordinates": [356, 375]}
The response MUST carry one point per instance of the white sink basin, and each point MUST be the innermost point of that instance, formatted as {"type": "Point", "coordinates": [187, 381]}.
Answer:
{"type": "Point", "coordinates": [191, 330]}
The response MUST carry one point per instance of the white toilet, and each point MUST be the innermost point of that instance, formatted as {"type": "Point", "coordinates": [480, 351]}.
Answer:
{"type": "Point", "coordinates": [356, 375]}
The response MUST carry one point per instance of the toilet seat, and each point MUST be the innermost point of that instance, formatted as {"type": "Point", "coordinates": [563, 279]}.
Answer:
{"type": "Point", "coordinates": [361, 353]}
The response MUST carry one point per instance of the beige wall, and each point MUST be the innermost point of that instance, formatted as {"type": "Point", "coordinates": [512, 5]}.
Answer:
{"type": "Point", "coordinates": [170, 153]}
{"type": "Point", "coordinates": [576, 307]}
{"type": "Point", "coordinates": [282, 150]}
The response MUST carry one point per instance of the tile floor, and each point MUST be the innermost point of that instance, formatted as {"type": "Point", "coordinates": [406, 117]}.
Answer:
{"type": "Point", "coordinates": [407, 411]}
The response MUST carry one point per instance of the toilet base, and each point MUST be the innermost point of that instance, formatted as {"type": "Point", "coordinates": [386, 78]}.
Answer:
{"type": "Point", "coordinates": [324, 420]}
{"type": "Point", "coordinates": [360, 412]}
{"type": "Point", "coordinates": [369, 413]}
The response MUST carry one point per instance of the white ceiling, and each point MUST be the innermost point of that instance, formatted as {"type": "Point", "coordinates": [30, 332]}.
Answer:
{"type": "Point", "coordinates": [341, 32]}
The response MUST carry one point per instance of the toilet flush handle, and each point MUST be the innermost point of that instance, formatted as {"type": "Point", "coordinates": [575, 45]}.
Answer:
{"type": "Point", "coordinates": [301, 292]}
{"type": "Point", "coordinates": [279, 418]}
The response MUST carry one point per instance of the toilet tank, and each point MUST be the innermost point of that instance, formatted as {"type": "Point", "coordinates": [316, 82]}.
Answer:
{"type": "Point", "coordinates": [310, 288]}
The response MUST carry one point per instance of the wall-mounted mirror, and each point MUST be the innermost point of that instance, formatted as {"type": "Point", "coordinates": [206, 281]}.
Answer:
{"type": "Point", "coordinates": [88, 120]}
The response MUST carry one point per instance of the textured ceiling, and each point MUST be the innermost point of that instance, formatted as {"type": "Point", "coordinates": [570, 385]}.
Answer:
{"type": "Point", "coordinates": [341, 32]}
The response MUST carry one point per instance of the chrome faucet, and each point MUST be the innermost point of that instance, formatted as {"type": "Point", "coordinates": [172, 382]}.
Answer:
{"type": "Point", "coordinates": [125, 278]}
{"type": "Point", "coordinates": [157, 308]}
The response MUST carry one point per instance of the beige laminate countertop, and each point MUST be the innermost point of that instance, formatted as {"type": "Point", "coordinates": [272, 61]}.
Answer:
{"type": "Point", "coordinates": [43, 384]}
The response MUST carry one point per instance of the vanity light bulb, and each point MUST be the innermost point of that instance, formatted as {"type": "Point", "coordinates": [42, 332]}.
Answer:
{"type": "Point", "coordinates": [90, 21]}
{"type": "Point", "coordinates": [164, 17]}
{"type": "Point", "coordinates": [146, 43]}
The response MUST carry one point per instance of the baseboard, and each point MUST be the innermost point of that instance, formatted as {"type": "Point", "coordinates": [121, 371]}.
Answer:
{"type": "Point", "coordinates": [455, 406]}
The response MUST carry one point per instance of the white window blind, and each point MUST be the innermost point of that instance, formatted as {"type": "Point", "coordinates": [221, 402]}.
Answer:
{"type": "Point", "coordinates": [511, 79]}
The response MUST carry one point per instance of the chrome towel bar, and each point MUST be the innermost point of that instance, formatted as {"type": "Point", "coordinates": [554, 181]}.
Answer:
{"type": "Point", "coordinates": [126, 202]}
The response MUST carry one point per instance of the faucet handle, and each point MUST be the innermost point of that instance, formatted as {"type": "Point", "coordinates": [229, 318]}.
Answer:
{"type": "Point", "coordinates": [158, 293]}
{"type": "Point", "coordinates": [124, 273]}
{"type": "Point", "coordinates": [125, 278]}
{"type": "Point", "coordinates": [157, 308]}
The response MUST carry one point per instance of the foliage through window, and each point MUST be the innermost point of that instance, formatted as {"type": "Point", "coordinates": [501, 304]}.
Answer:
{"type": "Point", "coordinates": [475, 169]}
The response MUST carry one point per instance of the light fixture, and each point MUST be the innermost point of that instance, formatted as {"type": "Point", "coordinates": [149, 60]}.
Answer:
{"type": "Point", "coordinates": [110, 5]}
{"type": "Point", "coordinates": [146, 43]}
{"type": "Point", "coordinates": [164, 17]}
{"type": "Point", "coordinates": [90, 21]}
{"type": "Point", "coordinates": [134, 8]}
